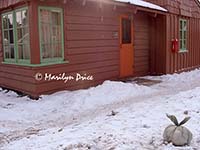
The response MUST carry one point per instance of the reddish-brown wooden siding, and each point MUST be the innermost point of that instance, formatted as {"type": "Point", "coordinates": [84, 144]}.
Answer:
{"type": "Point", "coordinates": [141, 44]}
{"type": "Point", "coordinates": [183, 61]}
{"type": "Point", "coordinates": [18, 78]}
{"type": "Point", "coordinates": [190, 10]}
{"type": "Point", "coordinates": [158, 45]}
{"type": "Point", "coordinates": [188, 60]}
{"type": "Point", "coordinates": [91, 47]}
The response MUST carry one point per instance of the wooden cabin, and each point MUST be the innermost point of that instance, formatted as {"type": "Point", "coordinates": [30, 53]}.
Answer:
{"type": "Point", "coordinates": [45, 43]}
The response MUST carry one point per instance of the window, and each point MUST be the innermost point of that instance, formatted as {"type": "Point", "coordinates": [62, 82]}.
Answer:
{"type": "Point", "coordinates": [15, 30]}
{"type": "Point", "coordinates": [183, 35]}
{"type": "Point", "coordinates": [51, 34]}
{"type": "Point", "coordinates": [126, 31]}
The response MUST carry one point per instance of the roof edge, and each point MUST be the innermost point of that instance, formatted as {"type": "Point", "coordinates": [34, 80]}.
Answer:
{"type": "Point", "coordinates": [143, 3]}
{"type": "Point", "coordinates": [197, 2]}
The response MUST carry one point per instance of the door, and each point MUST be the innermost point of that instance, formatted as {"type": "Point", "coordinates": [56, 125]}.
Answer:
{"type": "Point", "coordinates": [126, 46]}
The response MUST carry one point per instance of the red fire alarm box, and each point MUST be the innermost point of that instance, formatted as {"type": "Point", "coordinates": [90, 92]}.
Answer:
{"type": "Point", "coordinates": [174, 45]}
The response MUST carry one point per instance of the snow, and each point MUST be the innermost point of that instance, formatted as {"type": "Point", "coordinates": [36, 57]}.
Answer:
{"type": "Point", "coordinates": [143, 4]}
{"type": "Point", "coordinates": [114, 115]}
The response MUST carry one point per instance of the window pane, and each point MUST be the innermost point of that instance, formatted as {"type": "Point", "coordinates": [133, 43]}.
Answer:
{"type": "Point", "coordinates": [46, 33]}
{"type": "Point", "coordinates": [181, 24]}
{"type": "Point", "coordinates": [12, 49]}
{"type": "Point", "coordinates": [56, 18]}
{"type": "Point", "coordinates": [26, 38]}
{"type": "Point", "coordinates": [58, 50]}
{"type": "Point", "coordinates": [185, 25]}
{"type": "Point", "coordinates": [126, 31]}
{"type": "Point", "coordinates": [184, 33]}
{"type": "Point", "coordinates": [181, 35]}
{"type": "Point", "coordinates": [23, 51]}
{"type": "Point", "coordinates": [20, 51]}
{"type": "Point", "coordinates": [45, 16]}
{"type": "Point", "coordinates": [24, 17]}
{"type": "Point", "coordinates": [11, 36]}
{"type": "Point", "coordinates": [19, 35]}
{"type": "Point", "coordinates": [6, 51]}
{"type": "Point", "coordinates": [6, 38]}
{"type": "Point", "coordinates": [10, 21]}
{"type": "Point", "coordinates": [5, 22]}
{"type": "Point", "coordinates": [181, 47]}
{"type": "Point", "coordinates": [47, 52]}
{"type": "Point", "coordinates": [9, 51]}
{"type": "Point", "coordinates": [184, 44]}
{"type": "Point", "coordinates": [56, 34]}
{"type": "Point", "coordinates": [26, 51]}
{"type": "Point", "coordinates": [19, 19]}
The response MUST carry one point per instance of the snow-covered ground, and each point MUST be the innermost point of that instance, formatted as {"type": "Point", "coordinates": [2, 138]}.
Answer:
{"type": "Point", "coordinates": [84, 119]}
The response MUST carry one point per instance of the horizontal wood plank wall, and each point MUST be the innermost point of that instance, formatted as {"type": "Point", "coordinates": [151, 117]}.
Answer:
{"type": "Point", "coordinates": [18, 78]}
{"type": "Point", "coordinates": [90, 46]}
{"type": "Point", "coordinates": [141, 44]}
{"type": "Point", "coordinates": [190, 10]}
{"type": "Point", "coordinates": [158, 45]}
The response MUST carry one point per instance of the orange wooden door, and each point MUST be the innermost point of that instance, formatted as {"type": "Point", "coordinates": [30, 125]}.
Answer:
{"type": "Point", "coordinates": [126, 46]}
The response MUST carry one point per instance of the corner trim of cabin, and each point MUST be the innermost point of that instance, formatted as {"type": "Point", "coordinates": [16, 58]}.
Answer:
{"type": "Point", "coordinates": [139, 8]}
{"type": "Point", "coordinates": [37, 65]}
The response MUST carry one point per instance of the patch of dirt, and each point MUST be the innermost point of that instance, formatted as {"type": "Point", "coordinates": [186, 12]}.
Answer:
{"type": "Point", "coordinates": [17, 135]}
{"type": "Point", "coordinates": [143, 81]}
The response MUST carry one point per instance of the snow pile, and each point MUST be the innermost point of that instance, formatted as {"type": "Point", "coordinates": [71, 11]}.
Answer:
{"type": "Point", "coordinates": [138, 126]}
{"type": "Point", "coordinates": [83, 119]}
{"type": "Point", "coordinates": [107, 93]}
{"type": "Point", "coordinates": [143, 4]}
{"type": "Point", "coordinates": [183, 77]}
{"type": "Point", "coordinates": [66, 104]}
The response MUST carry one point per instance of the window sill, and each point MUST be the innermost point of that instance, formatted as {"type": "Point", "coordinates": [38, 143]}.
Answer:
{"type": "Point", "coordinates": [183, 51]}
{"type": "Point", "coordinates": [36, 65]}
